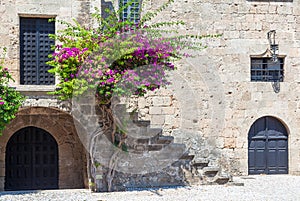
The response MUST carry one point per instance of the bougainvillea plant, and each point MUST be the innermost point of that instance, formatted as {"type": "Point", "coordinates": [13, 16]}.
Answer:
{"type": "Point", "coordinates": [117, 58]}
{"type": "Point", "coordinates": [10, 99]}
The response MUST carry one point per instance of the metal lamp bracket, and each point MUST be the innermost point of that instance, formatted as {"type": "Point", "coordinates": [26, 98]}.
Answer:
{"type": "Point", "coordinates": [274, 48]}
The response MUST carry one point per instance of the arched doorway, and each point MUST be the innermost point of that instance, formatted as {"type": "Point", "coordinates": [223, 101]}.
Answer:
{"type": "Point", "coordinates": [31, 160]}
{"type": "Point", "coordinates": [268, 147]}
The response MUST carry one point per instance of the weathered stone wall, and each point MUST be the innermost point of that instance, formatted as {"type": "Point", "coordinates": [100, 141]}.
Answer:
{"type": "Point", "coordinates": [35, 111]}
{"type": "Point", "coordinates": [212, 103]}
{"type": "Point", "coordinates": [227, 101]}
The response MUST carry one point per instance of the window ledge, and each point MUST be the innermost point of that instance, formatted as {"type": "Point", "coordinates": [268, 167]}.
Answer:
{"type": "Point", "coordinates": [35, 88]}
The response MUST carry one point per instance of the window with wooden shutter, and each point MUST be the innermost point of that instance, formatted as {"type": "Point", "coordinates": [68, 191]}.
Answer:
{"type": "Point", "coordinates": [35, 46]}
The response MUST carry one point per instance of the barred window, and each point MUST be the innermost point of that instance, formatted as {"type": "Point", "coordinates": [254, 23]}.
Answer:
{"type": "Point", "coordinates": [35, 46]}
{"type": "Point", "coordinates": [131, 10]}
{"type": "Point", "coordinates": [265, 70]}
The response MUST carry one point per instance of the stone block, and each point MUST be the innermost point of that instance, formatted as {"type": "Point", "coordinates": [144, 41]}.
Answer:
{"type": "Point", "coordinates": [285, 10]}
{"type": "Point", "coordinates": [142, 103]}
{"type": "Point", "coordinates": [167, 110]}
{"type": "Point", "coordinates": [157, 119]}
{"type": "Point", "coordinates": [229, 143]}
{"type": "Point", "coordinates": [155, 110]}
{"type": "Point", "coordinates": [231, 34]}
{"type": "Point", "coordinates": [262, 9]}
{"type": "Point", "coordinates": [161, 101]}
{"type": "Point", "coordinates": [273, 9]}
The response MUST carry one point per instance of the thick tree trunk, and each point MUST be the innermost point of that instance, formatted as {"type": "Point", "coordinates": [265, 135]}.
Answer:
{"type": "Point", "coordinates": [89, 173]}
{"type": "Point", "coordinates": [108, 126]}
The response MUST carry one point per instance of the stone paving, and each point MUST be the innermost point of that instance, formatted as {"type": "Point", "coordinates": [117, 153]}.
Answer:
{"type": "Point", "coordinates": [258, 187]}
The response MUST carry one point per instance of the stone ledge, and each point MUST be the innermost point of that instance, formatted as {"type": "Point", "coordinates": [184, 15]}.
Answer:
{"type": "Point", "coordinates": [35, 88]}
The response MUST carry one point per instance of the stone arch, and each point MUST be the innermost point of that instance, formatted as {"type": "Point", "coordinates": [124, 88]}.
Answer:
{"type": "Point", "coordinates": [72, 155]}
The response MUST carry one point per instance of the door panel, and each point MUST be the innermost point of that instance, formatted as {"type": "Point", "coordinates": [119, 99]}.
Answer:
{"type": "Point", "coordinates": [27, 160]}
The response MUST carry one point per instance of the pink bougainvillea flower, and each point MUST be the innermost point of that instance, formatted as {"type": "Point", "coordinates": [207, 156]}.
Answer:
{"type": "Point", "coordinates": [110, 80]}
{"type": "Point", "coordinates": [1, 103]}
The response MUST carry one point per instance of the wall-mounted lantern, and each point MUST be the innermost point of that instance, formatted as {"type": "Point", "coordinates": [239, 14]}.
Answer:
{"type": "Point", "coordinates": [273, 46]}
{"type": "Point", "coordinates": [268, 66]}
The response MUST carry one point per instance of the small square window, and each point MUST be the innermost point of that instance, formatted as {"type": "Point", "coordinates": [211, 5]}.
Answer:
{"type": "Point", "coordinates": [265, 70]}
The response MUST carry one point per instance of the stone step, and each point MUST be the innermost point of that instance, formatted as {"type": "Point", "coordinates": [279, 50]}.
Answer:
{"type": "Point", "coordinates": [186, 156]}
{"type": "Point", "coordinates": [233, 183]}
{"type": "Point", "coordinates": [177, 146]}
{"type": "Point", "coordinates": [165, 139]}
{"type": "Point", "coordinates": [222, 179]}
{"type": "Point", "coordinates": [155, 147]}
{"type": "Point", "coordinates": [135, 119]}
{"type": "Point", "coordinates": [173, 147]}
{"type": "Point", "coordinates": [120, 110]}
{"type": "Point", "coordinates": [200, 163]}
{"type": "Point", "coordinates": [144, 133]}
{"type": "Point", "coordinates": [140, 141]}
{"type": "Point", "coordinates": [210, 171]}
{"type": "Point", "coordinates": [141, 123]}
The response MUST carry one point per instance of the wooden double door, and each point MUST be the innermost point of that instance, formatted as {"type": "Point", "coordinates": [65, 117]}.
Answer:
{"type": "Point", "coordinates": [31, 160]}
{"type": "Point", "coordinates": [268, 147]}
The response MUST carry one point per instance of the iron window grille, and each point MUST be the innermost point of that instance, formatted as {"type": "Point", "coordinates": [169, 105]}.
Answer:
{"type": "Point", "coordinates": [35, 46]}
{"type": "Point", "coordinates": [265, 70]}
{"type": "Point", "coordinates": [131, 10]}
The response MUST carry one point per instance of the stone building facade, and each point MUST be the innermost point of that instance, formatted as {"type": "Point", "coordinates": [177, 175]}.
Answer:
{"type": "Point", "coordinates": [227, 105]}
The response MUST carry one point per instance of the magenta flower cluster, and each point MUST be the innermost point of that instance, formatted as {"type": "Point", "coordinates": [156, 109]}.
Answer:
{"type": "Point", "coordinates": [125, 63]}
{"type": "Point", "coordinates": [66, 53]}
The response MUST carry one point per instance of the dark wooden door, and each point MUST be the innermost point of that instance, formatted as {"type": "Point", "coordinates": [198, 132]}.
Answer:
{"type": "Point", "coordinates": [31, 160]}
{"type": "Point", "coordinates": [268, 147]}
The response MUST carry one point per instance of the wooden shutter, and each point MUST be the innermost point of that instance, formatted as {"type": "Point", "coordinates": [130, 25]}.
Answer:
{"type": "Point", "coordinates": [35, 46]}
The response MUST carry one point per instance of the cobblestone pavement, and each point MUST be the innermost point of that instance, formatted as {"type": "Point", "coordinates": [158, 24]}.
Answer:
{"type": "Point", "coordinates": [259, 187]}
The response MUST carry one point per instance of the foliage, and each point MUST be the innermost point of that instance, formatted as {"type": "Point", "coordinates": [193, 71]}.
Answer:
{"type": "Point", "coordinates": [118, 57]}
{"type": "Point", "coordinates": [10, 99]}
